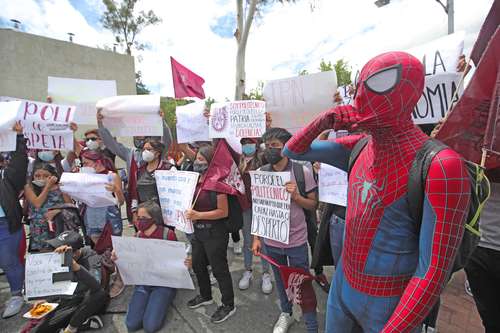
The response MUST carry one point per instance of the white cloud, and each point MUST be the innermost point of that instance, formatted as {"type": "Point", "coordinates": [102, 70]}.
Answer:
{"type": "Point", "coordinates": [287, 38]}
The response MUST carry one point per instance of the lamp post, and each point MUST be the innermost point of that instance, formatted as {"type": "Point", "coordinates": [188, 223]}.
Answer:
{"type": "Point", "coordinates": [449, 9]}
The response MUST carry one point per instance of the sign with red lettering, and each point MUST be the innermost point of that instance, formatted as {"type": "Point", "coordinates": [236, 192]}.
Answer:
{"type": "Point", "coordinates": [270, 205]}
{"type": "Point", "coordinates": [239, 119]}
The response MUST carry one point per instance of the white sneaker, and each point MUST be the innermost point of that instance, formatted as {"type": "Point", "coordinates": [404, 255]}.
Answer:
{"type": "Point", "coordinates": [267, 285]}
{"type": "Point", "coordinates": [237, 248]}
{"type": "Point", "coordinates": [14, 305]}
{"type": "Point", "coordinates": [285, 320]}
{"type": "Point", "coordinates": [244, 283]}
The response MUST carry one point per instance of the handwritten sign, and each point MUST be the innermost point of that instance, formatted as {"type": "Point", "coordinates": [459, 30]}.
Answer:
{"type": "Point", "coordinates": [87, 188]}
{"type": "Point", "coordinates": [332, 185]}
{"type": "Point", "coordinates": [82, 93]}
{"type": "Point", "coordinates": [152, 262]}
{"type": "Point", "coordinates": [9, 111]}
{"type": "Point", "coordinates": [191, 123]}
{"type": "Point", "coordinates": [40, 269]}
{"type": "Point", "coordinates": [135, 115]}
{"type": "Point", "coordinates": [176, 190]}
{"type": "Point", "coordinates": [295, 102]}
{"type": "Point", "coordinates": [270, 205]}
{"type": "Point", "coordinates": [239, 119]}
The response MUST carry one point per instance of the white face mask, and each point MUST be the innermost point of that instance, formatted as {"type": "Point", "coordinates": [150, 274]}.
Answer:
{"type": "Point", "coordinates": [92, 144]}
{"type": "Point", "coordinates": [39, 182]}
{"type": "Point", "coordinates": [148, 156]}
{"type": "Point", "coordinates": [87, 170]}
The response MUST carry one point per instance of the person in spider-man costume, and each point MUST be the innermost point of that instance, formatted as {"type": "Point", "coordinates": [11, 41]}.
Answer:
{"type": "Point", "coordinates": [391, 272]}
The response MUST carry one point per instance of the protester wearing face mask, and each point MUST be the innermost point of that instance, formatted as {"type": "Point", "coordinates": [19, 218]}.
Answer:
{"type": "Point", "coordinates": [42, 194]}
{"type": "Point", "coordinates": [52, 157]}
{"type": "Point", "coordinates": [210, 242]}
{"type": "Point", "coordinates": [251, 160]}
{"type": "Point", "coordinates": [94, 142]}
{"type": "Point", "coordinates": [132, 156]}
{"type": "Point", "coordinates": [149, 305]}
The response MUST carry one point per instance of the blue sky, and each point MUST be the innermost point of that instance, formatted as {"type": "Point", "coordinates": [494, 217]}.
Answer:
{"type": "Point", "coordinates": [284, 39]}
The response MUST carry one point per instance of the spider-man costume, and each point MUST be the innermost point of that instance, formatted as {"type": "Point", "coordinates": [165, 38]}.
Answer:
{"type": "Point", "coordinates": [391, 271]}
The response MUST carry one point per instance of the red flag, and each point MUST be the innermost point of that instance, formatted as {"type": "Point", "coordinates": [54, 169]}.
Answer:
{"type": "Point", "coordinates": [298, 285]}
{"type": "Point", "coordinates": [489, 27]}
{"type": "Point", "coordinates": [473, 124]}
{"type": "Point", "coordinates": [186, 83]}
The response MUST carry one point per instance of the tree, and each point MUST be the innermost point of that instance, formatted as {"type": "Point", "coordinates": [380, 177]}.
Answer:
{"type": "Point", "coordinates": [140, 86]}
{"type": "Point", "coordinates": [256, 93]}
{"type": "Point", "coordinates": [325, 66]}
{"type": "Point", "coordinates": [343, 71]}
{"type": "Point", "coordinates": [241, 35]}
{"type": "Point", "coordinates": [303, 72]}
{"type": "Point", "coordinates": [126, 25]}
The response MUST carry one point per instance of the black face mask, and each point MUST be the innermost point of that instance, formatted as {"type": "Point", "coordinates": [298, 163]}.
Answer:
{"type": "Point", "coordinates": [200, 167]}
{"type": "Point", "coordinates": [273, 155]}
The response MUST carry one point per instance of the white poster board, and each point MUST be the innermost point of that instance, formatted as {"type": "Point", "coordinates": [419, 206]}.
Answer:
{"type": "Point", "coordinates": [82, 93]}
{"type": "Point", "coordinates": [191, 125]}
{"type": "Point", "coordinates": [176, 190]}
{"type": "Point", "coordinates": [295, 102]}
{"type": "Point", "coordinates": [239, 119]}
{"type": "Point", "coordinates": [332, 183]}
{"type": "Point", "coordinates": [40, 269]}
{"type": "Point", "coordinates": [134, 115]}
{"type": "Point", "coordinates": [9, 111]}
{"type": "Point", "coordinates": [270, 205]}
{"type": "Point", "coordinates": [152, 262]}
{"type": "Point", "coordinates": [88, 188]}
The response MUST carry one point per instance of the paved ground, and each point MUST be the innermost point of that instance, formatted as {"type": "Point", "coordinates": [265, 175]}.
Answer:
{"type": "Point", "coordinates": [257, 312]}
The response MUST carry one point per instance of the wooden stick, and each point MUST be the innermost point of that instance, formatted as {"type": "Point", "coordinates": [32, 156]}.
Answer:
{"type": "Point", "coordinates": [483, 157]}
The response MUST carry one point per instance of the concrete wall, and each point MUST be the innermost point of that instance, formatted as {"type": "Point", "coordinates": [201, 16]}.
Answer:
{"type": "Point", "coordinates": [27, 60]}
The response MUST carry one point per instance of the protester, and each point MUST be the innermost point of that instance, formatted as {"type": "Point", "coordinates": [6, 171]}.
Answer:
{"type": "Point", "coordinates": [295, 253]}
{"type": "Point", "coordinates": [251, 160]}
{"type": "Point", "coordinates": [12, 237]}
{"type": "Point", "coordinates": [43, 193]}
{"type": "Point", "coordinates": [149, 305]}
{"type": "Point", "coordinates": [81, 310]}
{"type": "Point", "coordinates": [210, 242]}
{"type": "Point", "coordinates": [483, 268]}
{"type": "Point", "coordinates": [94, 142]}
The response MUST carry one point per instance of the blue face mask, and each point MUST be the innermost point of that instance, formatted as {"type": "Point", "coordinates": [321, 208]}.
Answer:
{"type": "Point", "coordinates": [248, 149]}
{"type": "Point", "coordinates": [46, 156]}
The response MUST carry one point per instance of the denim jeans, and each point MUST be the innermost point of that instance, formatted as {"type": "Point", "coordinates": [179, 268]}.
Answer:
{"type": "Point", "coordinates": [337, 226]}
{"type": "Point", "coordinates": [148, 308]}
{"type": "Point", "coordinates": [247, 243]}
{"type": "Point", "coordinates": [10, 261]}
{"type": "Point", "coordinates": [294, 257]}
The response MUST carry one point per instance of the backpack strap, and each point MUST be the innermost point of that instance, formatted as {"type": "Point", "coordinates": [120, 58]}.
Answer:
{"type": "Point", "coordinates": [418, 175]}
{"type": "Point", "coordinates": [298, 172]}
{"type": "Point", "coordinates": [356, 150]}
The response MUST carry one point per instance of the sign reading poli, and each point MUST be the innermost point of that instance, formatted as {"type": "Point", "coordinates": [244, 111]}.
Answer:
{"type": "Point", "coordinates": [82, 93]}
{"type": "Point", "coordinates": [332, 183]}
{"type": "Point", "coordinates": [135, 115]}
{"type": "Point", "coordinates": [88, 188]}
{"type": "Point", "coordinates": [239, 119]}
{"type": "Point", "coordinates": [152, 262]}
{"type": "Point", "coordinates": [191, 123]}
{"type": "Point", "coordinates": [270, 205]}
{"type": "Point", "coordinates": [40, 269]}
{"type": "Point", "coordinates": [295, 102]}
{"type": "Point", "coordinates": [176, 190]}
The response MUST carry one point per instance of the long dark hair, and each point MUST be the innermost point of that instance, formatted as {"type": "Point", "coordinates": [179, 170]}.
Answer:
{"type": "Point", "coordinates": [153, 210]}
{"type": "Point", "coordinates": [43, 166]}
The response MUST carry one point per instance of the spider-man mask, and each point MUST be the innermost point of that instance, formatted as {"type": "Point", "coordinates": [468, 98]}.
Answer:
{"type": "Point", "coordinates": [387, 89]}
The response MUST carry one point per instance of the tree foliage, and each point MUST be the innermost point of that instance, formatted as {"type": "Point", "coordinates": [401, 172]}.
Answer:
{"type": "Point", "coordinates": [343, 71]}
{"type": "Point", "coordinates": [140, 86]}
{"type": "Point", "coordinates": [125, 24]}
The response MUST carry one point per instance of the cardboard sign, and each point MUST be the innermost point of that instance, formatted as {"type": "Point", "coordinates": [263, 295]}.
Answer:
{"type": "Point", "coordinates": [332, 183]}
{"type": "Point", "coordinates": [296, 101]}
{"type": "Point", "coordinates": [240, 119]}
{"type": "Point", "coordinates": [82, 93]}
{"type": "Point", "coordinates": [270, 205]}
{"type": "Point", "coordinates": [135, 115]}
{"type": "Point", "coordinates": [40, 270]}
{"type": "Point", "coordinates": [191, 124]}
{"type": "Point", "coordinates": [9, 111]}
{"type": "Point", "coordinates": [176, 190]}
{"type": "Point", "coordinates": [88, 188]}
{"type": "Point", "coordinates": [152, 262]}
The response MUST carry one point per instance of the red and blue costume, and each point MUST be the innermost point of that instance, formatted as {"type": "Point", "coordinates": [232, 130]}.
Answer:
{"type": "Point", "coordinates": [392, 269]}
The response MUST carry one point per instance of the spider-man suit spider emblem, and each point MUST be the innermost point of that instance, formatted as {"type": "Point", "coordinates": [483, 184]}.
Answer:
{"type": "Point", "coordinates": [391, 271]}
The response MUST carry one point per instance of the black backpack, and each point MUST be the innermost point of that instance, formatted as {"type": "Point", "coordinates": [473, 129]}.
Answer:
{"type": "Point", "coordinates": [234, 220]}
{"type": "Point", "coordinates": [480, 192]}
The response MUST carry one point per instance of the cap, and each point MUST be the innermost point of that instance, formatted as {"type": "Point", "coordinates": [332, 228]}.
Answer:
{"type": "Point", "coordinates": [71, 238]}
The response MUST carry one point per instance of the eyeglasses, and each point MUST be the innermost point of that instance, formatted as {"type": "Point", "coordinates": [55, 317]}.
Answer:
{"type": "Point", "coordinates": [91, 139]}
